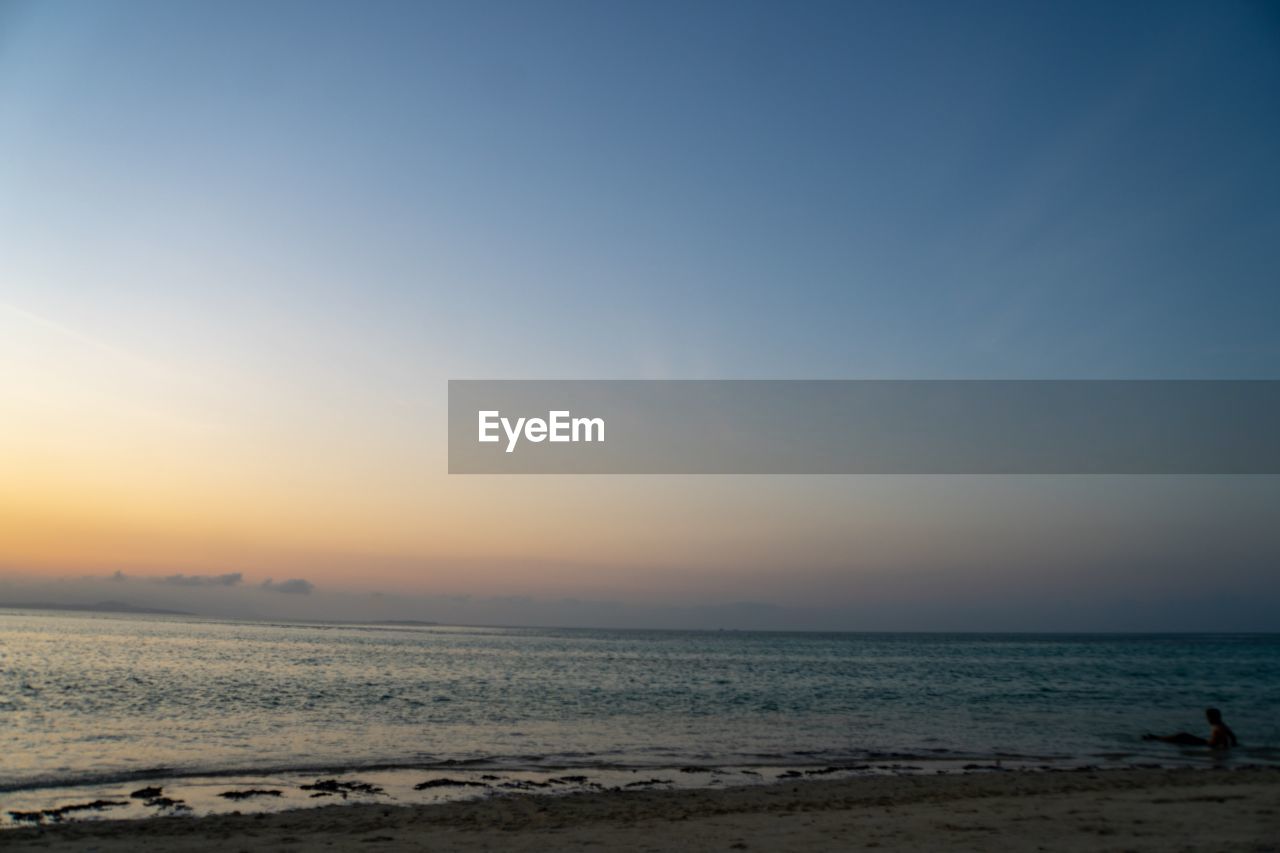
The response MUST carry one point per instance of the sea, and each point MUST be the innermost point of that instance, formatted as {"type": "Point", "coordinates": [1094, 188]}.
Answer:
{"type": "Point", "coordinates": [97, 706]}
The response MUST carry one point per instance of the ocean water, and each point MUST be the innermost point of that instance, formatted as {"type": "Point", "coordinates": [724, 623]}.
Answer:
{"type": "Point", "coordinates": [99, 700]}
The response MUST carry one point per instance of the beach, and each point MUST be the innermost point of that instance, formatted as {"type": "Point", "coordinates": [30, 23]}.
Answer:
{"type": "Point", "coordinates": [1136, 809]}
{"type": "Point", "coordinates": [152, 732]}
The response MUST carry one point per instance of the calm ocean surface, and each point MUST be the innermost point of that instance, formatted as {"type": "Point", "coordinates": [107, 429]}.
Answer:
{"type": "Point", "coordinates": [101, 698]}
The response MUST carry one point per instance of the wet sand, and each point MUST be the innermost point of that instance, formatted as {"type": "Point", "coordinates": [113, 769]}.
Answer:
{"type": "Point", "coordinates": [1121, 810]}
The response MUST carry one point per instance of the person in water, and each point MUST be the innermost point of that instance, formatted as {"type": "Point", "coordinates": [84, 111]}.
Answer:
{"type": "Point", "coordinates": [1220, 734]}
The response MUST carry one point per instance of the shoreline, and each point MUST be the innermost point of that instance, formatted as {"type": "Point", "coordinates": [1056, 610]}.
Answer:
{"type": "Point", "coordinates": [156, 794]}
{"type": "Point", "coordinates": [1162, 757]}
{"type": "Point", "coordinates": [1087, 809]}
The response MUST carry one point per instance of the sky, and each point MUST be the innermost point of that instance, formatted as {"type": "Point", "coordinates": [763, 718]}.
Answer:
{"type": "Point", "coordinates": [243, 247]}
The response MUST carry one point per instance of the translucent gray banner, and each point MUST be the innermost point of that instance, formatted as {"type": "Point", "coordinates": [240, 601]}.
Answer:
{"type": "Point", "coordinates": [864, 427]}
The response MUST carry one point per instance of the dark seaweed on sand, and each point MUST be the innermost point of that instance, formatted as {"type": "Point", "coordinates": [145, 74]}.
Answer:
{"type": "Point", "coordinates": [448, 783]}
{"type": "Point", "coordinates": [60, 812]}
{"type": "Point", "coordinates": [328, 787]}
{"type": "Point", "coordinates": [168, 803]}
{"type": "Point", "coordinates": [252, 792]}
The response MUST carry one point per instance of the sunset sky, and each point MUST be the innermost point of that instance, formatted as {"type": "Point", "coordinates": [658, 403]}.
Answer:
{"type": "Point", "coordinates": [244, 246]}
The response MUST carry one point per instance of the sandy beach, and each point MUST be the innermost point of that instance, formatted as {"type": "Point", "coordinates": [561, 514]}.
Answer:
{"type": "Point", "coordinates": [1155, 810]}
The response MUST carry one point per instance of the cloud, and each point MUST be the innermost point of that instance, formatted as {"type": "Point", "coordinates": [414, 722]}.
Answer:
{"type": "Point", "coordinates": [229, 579]}
{"type": "Point", "coordinates": [296, 586]}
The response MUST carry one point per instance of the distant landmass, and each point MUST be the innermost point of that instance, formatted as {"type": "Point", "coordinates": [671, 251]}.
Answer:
{"type": "Point", "coordinates": [100, 607]}
{"type": "Point", "coordinates": [405, 622]}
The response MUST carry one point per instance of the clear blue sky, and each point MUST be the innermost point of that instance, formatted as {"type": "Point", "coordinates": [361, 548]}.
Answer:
{"type": "Point", "coordinates": [284, 213]}
{"type": "Point", "coordinates": [1075, 189]}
